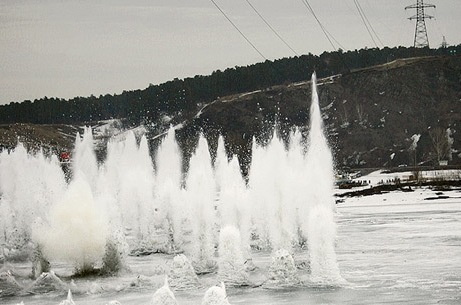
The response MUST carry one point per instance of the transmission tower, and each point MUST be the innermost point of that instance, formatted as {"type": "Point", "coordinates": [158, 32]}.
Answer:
{"type": "Point", "coordinates": [444, 44]}
{"type": "Point", "coordinates": [421, 40]}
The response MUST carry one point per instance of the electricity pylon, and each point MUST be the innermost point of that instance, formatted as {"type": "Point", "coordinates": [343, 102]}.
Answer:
{"type": "Point", "coordinates": [421, 40]}
{"type": "Point", "coordinates": [444, 44]}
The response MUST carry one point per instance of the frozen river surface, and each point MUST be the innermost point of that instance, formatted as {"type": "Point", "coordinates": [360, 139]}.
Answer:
{"type": "Point", "coordinates": [395, 248]}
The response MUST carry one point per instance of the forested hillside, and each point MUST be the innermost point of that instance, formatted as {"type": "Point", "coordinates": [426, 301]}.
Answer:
{"type": "Point", "coordinates": [401, 113]}
{"type": "Point", "coordinates": [374, 107]}
{"type": "Point", "coordinates": [179, 97]}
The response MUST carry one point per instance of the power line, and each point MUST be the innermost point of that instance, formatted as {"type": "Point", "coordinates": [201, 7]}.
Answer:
{"type": "Point", "coordinates": [326, 33]}
{"type": "Point", "coordinates": [324, 30]}
{"type": "Point", "coordinates": [371, 26]}
{"type": "Point", "coordinates": [270, 27]}
{"type": "Point", "coordinates": [241, 33]}
{"type": "Point", "coordinates": [309, 8]}
{"type": "Point", "coordinates": [364, 20]}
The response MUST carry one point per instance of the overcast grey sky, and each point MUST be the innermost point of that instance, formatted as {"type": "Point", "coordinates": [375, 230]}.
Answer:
{"type": "Point", "coordinates": [64, 48]}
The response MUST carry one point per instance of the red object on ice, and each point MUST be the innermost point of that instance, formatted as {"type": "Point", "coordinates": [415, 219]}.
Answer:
{"type": "Point", "coordinates": [64, 156]}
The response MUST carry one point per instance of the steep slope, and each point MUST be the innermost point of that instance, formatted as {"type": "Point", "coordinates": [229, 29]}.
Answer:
{"type": "Point", "coordinates": [54, 137]}
{"type": "Point", "coordinates": [371, 114]}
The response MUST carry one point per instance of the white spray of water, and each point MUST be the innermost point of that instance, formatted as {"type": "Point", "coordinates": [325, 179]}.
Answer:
{"type": "Point", "coordinates": [234, 204]}
{"type": "Point", "coordinates": [320, 228]}
{"type": "Point", "coordinates": [220, 164]}
{"type": "Point", "coordinates": [231, 268]}
{"type": "Point", "coordinates": [78, 228]}
{"type": "Point", "coordinates": [296, 186]}
{"type": "Point", "coordinates": [287, 191]}
{"type": "Point", "coordinates": [116, 253]}
{"type": "Point", "coordinates": [84, 157]}
{"type": "Point", "coordinates": [126, 186]}
{"type": "Point", "coordinates": [29, 186]}
{"type": "Point", "coordinates": [200, 192]}
{"type": "Point", "coordinates": [282, 271]}
{"type": "Point", "coordinates": [275, 215]}
{"type": "Point", "coordinates": [136, 187]}
{"type": "Point", "coordinates": [168, 196]}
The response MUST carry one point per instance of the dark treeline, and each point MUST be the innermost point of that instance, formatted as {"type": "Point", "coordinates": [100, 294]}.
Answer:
{"type": "Point", "coordinates": [183, 96]}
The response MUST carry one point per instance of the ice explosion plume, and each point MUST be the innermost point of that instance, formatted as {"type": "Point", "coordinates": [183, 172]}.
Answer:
{"type": "Point", "coordinates": [320, 228]}
{"type": "Point", "coordinates": [127, 206]}
{"type": "Point", "coordinates": [78, 228]}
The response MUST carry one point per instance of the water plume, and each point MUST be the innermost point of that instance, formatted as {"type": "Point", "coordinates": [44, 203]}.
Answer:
{"type": "Point", "coordinates": [84, 157]}
{"type": "Point", "coordinates": [115, 255]}
{"type": "Point", "coordinates": [282, 271]}
{"type": "Point", "coordinates": [231, 268]}
{"type": "Point", "coordinates": [168, 195]}
{"type": "Point", "coordinates": [126, 185]}
{"type": "Point", "coordinates": [29, 185]}
{"type": "Point", "coordinates": [77, 230]}
{"type": "Point", "coordinates": [274, 212]}
{"type": "Point", "coordinates": [39, 263]}
{"type": "Point", "coordinates": [234, 201]}
{"type": "Point", "coordinates": [124, 206]}
{"type": "Point", "coordinates": [200, 192]}
{"type": "Point", "coordinates": [320, 228]}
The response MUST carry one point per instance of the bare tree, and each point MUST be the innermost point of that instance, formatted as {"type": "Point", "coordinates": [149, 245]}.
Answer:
{"type": "Point", "coordinates": [412, 151]}
{"type": "Point", "coordinates": [450, 141]}
{"type": "Point", "coordinates": [344, 118]}
{"type": "Point", "coordinates": [440, 143]}
{"type": "Point", "coordinates": [361, 114]}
